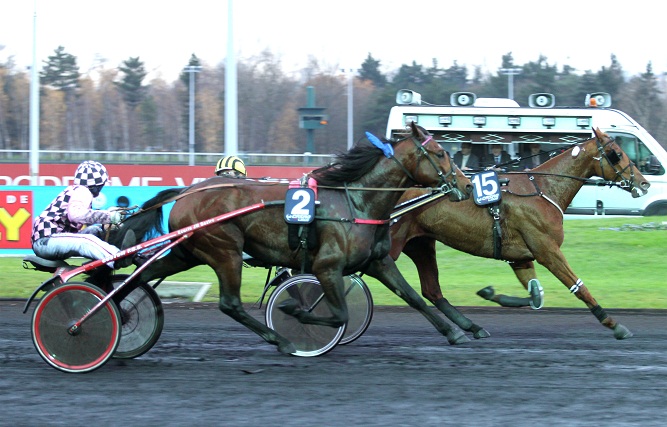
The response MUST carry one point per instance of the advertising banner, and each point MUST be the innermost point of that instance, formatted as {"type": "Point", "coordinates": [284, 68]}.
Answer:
{"type": "Point", "coordinates": [20, 205]}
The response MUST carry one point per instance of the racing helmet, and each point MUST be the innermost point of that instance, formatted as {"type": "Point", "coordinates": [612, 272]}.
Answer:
{"type": "Point", "coordinates": [230, 163]}
{"type": "Point", "coordinates": [91, 174]}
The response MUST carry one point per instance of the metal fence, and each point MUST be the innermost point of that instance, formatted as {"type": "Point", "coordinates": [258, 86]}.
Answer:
{"type": "Point", "coordinates": [159, 157]}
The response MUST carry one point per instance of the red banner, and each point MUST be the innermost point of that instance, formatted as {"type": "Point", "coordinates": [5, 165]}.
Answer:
{"type": "Point", "coordinates": [15, 219]}
{"type": "Point", "coordinates": [138, 175]}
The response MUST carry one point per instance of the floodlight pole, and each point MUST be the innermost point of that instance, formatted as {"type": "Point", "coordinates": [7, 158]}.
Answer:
{"type": "Point", "coordinates": [192, 69]}
{"type": "Point", "coordinates": [231, 88]}
{"type": "Point", "coordinates": [350, 107]}
{"type": "Point", "coordinates": [34, 107]}
{"type": "Point", "coordinates": [510, 73]}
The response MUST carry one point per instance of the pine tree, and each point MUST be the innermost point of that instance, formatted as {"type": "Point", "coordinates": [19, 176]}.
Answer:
{"type": "Point", "coordinates": [370, 70]}
{"type": "Point", "coordinates": [60, 71]}
{"type": "Point", "coordinates": [131, 83]}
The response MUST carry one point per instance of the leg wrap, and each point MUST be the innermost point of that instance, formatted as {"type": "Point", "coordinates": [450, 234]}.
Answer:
{"type": "Point", "coordinates": [453, 314]}
{"type": "Point", "coordinates": [576, 286]}
{"type": "Point", "coordinates": [507, 301]}
{"type": "Point", "coordinates": [599, 313]}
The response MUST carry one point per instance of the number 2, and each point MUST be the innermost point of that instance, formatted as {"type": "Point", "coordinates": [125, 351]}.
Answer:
{"type": "Point", "coordinates": [298, 208]}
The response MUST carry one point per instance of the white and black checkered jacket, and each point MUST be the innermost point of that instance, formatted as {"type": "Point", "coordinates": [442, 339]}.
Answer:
{"type": "Point", "coordinates": [68, 213]}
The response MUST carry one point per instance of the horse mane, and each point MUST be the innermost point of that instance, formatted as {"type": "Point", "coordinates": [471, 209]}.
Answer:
{"type": "Point", "coordinates": [350, 166]}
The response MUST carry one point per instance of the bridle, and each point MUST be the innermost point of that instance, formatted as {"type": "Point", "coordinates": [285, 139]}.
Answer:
{"type": "Point", "coordinates": [613, 158]}
{"type": "Point", "coordinates": [447, 183]}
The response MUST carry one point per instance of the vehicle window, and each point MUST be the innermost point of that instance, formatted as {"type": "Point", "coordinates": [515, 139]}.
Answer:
{"type": "Point", "coordinates": [639, 153]}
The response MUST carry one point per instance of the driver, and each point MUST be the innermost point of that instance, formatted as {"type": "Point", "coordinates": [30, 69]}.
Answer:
{"type": "Point", "coordinates": [58, 232]}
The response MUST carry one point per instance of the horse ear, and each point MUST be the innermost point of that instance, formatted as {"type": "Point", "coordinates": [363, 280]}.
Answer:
{"type": "Point", "coordinates": [415, 129]}
{"type": "Point", "coordinates": [418, 131]}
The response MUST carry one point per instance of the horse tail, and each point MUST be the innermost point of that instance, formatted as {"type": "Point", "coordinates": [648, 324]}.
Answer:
{"type": "Point", "coordinates": [148, 222]}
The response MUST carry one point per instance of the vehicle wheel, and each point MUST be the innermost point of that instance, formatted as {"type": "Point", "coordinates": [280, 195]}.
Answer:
{"type": "Point", "coordinates": [92, 344]}
{"type": "Point", "coordinates": [309, 340]}
{"type": "Point", "coordinates": [360, 308]}
{"type": "Point", "coordinates": [142, 320]}
{"type": "Point", "coordinates": [656, 209]}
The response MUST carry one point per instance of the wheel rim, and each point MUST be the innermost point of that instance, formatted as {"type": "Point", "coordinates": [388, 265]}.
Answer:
{"type": "Point", "coordinates": [97, 338]}
{"type": "Point", "coordinates": [309, 340]}
{"type": "Point", "coordinates": [359, 306]}
{"type": "Point", "coordinates": [142, 320]}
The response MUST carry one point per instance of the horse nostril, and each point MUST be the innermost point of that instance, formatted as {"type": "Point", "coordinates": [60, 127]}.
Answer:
{"type": "Point", "coordinates": [468, 188]}
{"type": "Point", "coordinates": [644, 185]}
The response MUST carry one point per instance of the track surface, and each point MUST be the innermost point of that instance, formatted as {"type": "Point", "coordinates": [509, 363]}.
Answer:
{"type": "Point", "coordinates": [553, 367]}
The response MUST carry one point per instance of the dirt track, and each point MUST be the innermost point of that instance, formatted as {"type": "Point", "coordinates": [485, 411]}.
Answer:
{"type": "Point", "coordinates": [551, 367]}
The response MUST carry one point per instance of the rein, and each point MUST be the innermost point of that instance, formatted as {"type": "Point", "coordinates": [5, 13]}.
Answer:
{"type": "Point", "coordinates": [438, 192]}
{"type": "Point", "coordinates": [399, 210]}
{"type": "Point", "coordinates": [612, 160]}
{"type": "Point", "coordinates": [188, 192]}
{"type": "Point", "coordinates": [445, 188]}
{"type": "Point", "coordinates": [599, 182]}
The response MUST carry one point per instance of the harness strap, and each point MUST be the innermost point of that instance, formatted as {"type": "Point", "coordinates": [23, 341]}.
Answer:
{"type": "Point", "coordinates": [356, 220]}
{"type": "Point", "coordinates": [303, 242]}
{"type": "Point", "coordinates": [541, 194]}
{"type": "Point", "coordinates": [494, 210]}
{"type": "Point", "coordinates": [370, 221]}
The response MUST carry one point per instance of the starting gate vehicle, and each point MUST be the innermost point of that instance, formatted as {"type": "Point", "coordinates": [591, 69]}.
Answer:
{"type": "Point", "coordinates": [484, 122]}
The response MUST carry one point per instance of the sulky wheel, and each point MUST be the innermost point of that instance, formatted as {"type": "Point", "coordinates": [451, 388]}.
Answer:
{"type": "Point", "coordinates": [309, 340]}
{"type": "Point", "coordinates": [359, 306]}
{"type": "Point", "coordinates": [142, 319]}
{"type": "Point", "coordinates": [91, 344]}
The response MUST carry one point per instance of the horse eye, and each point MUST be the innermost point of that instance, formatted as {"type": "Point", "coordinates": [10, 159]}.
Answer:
{"type": "Point", "coordinates": [440, 154]}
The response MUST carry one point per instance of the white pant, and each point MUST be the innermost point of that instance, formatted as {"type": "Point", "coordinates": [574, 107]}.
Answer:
{"type": "Point", "coordinates": [65, 245]}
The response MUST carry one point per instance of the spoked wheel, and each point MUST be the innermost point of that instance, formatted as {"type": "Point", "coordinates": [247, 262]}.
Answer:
{"type": "Point", "coordinates": [92, 344]}
{"type": "Point", "coordinates": [360, 308]}
{"type": "Point", "coordinates": [142, 319]}
{"type": "Point", "coordinates": [309, 340]}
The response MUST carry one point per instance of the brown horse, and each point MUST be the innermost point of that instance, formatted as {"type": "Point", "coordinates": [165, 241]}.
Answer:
{"type": "Point", "coordinates": [350, 233]}
{"type": "Point", "coordinates": [531, 224]}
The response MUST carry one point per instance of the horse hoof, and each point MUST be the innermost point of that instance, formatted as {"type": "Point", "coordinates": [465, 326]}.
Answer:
{"type": "Point", "coordinates": [289, 306]}
{"type": "Point", "coordinates": [287, 348]}
{"type": "Point", "coordinates": [457, 336]}
{"type": "Point", "coordinates": [482, 333]}
{"type": "Point", "coordinates": [621, 332]}
{"type": "Point", "coordinates": [486, 293]}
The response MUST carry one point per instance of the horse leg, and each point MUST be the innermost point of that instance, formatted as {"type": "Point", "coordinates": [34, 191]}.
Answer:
{"type": "Point", "coordinates": [229, 281]}
{"type": "Point", "coordinates": [230, 301]}
{"type": "Point", "coordinates": [525, 272]}
{"type": "Point", "coordinates": [332, 284]}
{"type": "Point", "coordinates": [385, 271]}
{"type": "Point", "coordinates": [422, 252]}
{"type": "Point", "coordinates": [556, 263]}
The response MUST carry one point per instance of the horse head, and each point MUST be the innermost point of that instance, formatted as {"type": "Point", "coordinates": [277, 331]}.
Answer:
{"type": "Point", "coordinates": [614, 165]}
{"type": "Point", "coordinates": [434, 166]}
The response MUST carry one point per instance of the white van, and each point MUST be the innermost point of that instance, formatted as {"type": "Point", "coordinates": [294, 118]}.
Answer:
{"type": "Point", "coordinates": [489, 121]}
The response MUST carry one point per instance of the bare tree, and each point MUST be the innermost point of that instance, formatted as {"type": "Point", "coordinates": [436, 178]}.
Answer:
{"type": "Point", "coordinates": [264, 91]}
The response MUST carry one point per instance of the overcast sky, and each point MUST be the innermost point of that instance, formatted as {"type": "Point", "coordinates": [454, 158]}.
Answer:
{"type": "Point", "coordinates": [340, 33]}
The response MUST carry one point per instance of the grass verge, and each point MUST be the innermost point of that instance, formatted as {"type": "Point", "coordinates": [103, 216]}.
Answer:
{"type": "Point", "coordinates": [621, 261]}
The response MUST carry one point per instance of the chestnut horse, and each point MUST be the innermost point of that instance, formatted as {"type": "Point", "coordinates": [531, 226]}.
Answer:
{"type": "Point", "coordinates": [531, 224]}
{"type": "Point", "coordinates": [350, 233]}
